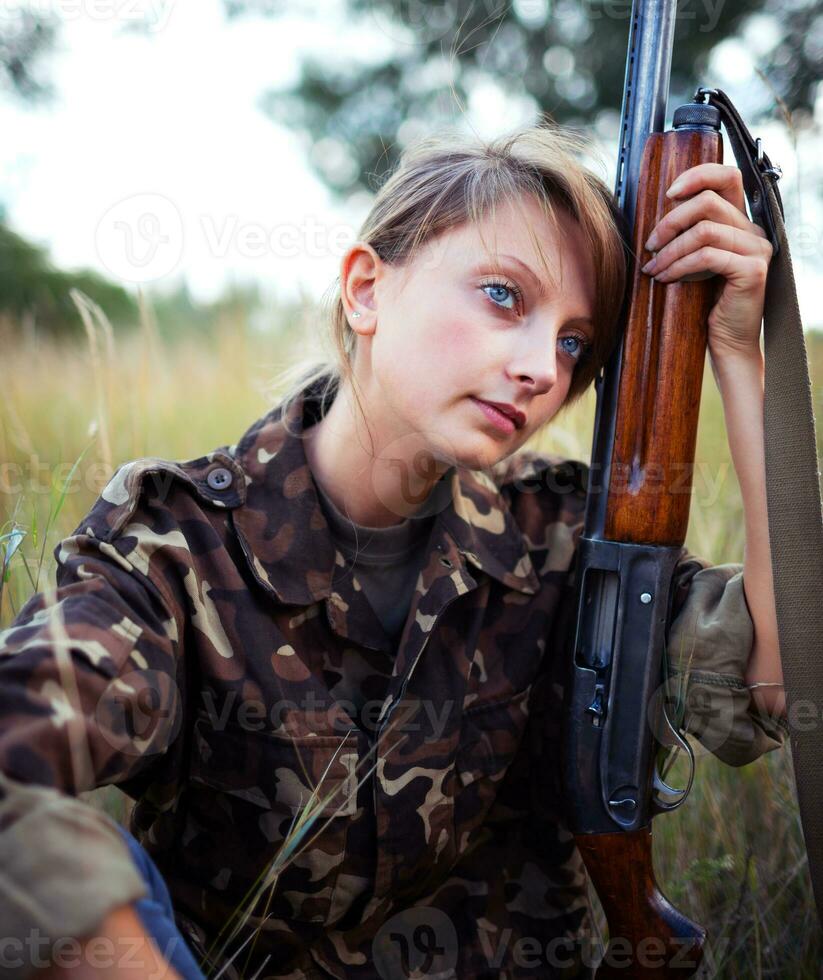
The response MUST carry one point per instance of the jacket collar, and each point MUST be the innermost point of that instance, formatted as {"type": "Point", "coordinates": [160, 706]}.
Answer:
{"type": "Point", "coordinates": [284, 533]}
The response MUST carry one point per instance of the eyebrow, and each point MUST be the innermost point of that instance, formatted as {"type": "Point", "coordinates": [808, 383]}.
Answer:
{"type": "Point", "coordinates": [542, 291]}
{"type": "Point", "coordinates": [541, 286]}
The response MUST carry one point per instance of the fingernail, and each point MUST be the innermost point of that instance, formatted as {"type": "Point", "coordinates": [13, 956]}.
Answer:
{"type": "Point", "coordinates": [651, 242]}
{"type": "Point", "coordinates": [676, 188]}
{"type": "Point", "coordinates": [649, 266]}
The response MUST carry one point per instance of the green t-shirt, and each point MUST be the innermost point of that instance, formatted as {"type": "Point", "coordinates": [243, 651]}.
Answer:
{"type": "Point", "coordinates": [386, 560]}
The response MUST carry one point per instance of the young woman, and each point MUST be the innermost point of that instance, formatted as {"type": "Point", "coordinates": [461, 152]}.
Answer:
{"type": "Point", "coordinates": [369, 593]}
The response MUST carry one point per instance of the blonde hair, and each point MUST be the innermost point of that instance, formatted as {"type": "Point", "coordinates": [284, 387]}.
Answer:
{"type": "Point", "coordinates": [447, 179]}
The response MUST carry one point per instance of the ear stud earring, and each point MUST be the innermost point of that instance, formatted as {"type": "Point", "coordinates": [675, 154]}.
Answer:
{"type": "Point", "coordinates": [355, 314]}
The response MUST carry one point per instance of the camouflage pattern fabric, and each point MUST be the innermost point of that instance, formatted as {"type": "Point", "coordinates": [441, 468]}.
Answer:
{"type": "Point", "coordinates": [209, 651]}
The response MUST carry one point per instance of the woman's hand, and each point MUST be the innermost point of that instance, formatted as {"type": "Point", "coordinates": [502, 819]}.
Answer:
{"type": "Point", "coordinates": [120, 949]}
{"type": "Point", "coordinates": [711, 233]}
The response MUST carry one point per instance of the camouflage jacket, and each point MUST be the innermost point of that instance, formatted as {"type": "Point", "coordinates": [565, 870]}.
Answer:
{"type": "Point", "coordinates": [209, 651]}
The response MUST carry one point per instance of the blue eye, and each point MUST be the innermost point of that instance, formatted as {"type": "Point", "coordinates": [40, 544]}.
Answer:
{"type": "Point", "coordinates": [578, 352]}
{"type": "Point", "coordinates": [502, 288]}
{"type": "Point", "coordinates": [506, 296]}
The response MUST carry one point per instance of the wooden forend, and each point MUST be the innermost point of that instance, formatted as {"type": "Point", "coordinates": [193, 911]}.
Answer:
{"type": "Point", "coordinates": [662, 367]}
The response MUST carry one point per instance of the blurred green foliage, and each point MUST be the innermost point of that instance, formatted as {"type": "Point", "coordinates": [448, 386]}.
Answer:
{"type": "Point", "coordinates": [35, 294]}
{"type": "Point", "coordinates": [564, 58]}
{"type": "Point", "coordinates": [25, 37]}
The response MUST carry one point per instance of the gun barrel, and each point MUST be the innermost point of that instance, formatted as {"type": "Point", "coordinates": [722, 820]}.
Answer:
{"type": "Point", "coordinates": [645, 94]}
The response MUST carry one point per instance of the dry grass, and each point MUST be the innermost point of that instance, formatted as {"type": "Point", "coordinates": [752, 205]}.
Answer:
{"type": "Point", "coordinates": [731, 858]}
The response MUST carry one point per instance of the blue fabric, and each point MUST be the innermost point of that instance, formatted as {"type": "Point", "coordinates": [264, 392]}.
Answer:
{"type": "Point", "coordinates": [157, 915]}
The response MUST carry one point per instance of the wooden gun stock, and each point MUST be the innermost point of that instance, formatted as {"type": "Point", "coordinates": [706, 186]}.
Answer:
{"type": "Point", "coordinates": [648, 937]}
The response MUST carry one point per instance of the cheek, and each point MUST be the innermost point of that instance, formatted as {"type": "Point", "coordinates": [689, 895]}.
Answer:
{"type": "Point", "coordinates": [460, 362]}
{"type": "Point", "coordinates": [442, 344]}
{"type": "Point", "coordinates": [429, 353]}
{"type": "Point", "coordinates": [460, 336]}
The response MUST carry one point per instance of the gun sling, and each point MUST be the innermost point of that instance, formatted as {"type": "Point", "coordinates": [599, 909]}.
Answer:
{"type": "Point", "coordinates": [792, 484]}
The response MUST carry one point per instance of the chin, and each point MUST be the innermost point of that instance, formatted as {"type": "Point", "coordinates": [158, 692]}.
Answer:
{"type": "Point", "coordinates": [485, 456]}
{"type": "Point", "coordinates": [472, 448]}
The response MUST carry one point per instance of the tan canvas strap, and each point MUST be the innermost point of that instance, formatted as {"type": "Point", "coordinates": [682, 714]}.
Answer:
{"type": "Point", "coordinates": [792, 485]}
{"type": "Point", "coordinates": [795, 534]}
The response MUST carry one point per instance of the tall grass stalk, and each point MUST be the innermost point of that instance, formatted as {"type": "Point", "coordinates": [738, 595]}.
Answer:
{"type": "Point", "coordinates": [95, 321]}
{"type": "Point", "coordinates": [293, 845]}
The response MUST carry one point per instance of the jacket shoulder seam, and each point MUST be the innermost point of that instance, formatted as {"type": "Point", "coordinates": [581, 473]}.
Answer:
{"type": "Point", "coordinates": [120, 497]}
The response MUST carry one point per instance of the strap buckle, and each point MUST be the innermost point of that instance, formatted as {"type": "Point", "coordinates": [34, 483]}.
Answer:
{"type": "Point", "coordinates": [758, 171]}
{"type": "Point", "coordinates": [770, 170]}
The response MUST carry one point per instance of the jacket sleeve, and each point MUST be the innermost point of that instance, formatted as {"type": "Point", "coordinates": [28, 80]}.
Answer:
{"type": "Point", "coordinates": [63, 868]}
{"type": "Point", "coordinates": [710, 639]}
{"type": "Point", "coordinates": [88, 696]}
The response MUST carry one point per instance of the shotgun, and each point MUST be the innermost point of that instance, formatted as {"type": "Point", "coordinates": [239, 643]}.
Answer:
{"type": "Point", "coordinates": [636, 518]}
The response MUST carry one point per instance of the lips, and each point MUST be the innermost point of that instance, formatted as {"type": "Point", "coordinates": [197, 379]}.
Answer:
{"type": "Point", "coordinates": [514, 414]}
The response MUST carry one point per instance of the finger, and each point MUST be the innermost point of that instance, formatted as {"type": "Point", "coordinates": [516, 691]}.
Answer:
{"type": "Point", "coordinates": [727, 181]}
{"type": "Point", "coordinates": [705, 232]}
{"type": "Point", "coordinates": [745, 271]}
{"type": "Point", "coordinates": [706, 204]}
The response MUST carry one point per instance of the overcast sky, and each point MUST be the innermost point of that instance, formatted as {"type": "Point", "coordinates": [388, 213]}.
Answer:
{"type": "Point", "coordinates": [165, 125]}
{"type": "Point", "coordinates": [155, 162]}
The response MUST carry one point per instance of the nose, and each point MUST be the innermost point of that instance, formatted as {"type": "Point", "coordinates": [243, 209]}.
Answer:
{"type": "Point", "coordinates": [535, 366]}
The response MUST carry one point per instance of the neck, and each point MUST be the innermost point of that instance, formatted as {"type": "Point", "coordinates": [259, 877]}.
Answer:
{"type": "Point", "coordinates": [376, 476]}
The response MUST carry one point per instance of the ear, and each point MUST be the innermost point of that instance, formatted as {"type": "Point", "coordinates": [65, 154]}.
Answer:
{"type": "Point", "coordinates": [360, 268]}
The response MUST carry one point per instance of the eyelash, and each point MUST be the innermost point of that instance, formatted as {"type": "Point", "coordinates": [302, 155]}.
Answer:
{"type": "Point", "coordinates": [584, 342]}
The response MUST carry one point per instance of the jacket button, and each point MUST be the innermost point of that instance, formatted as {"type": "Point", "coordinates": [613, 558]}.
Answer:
{"type": "Point", "coordinates": [219, 478]}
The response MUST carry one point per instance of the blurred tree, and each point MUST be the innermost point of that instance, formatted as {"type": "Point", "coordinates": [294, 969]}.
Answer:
{"type": "Point", "coordinates": [565, 57]}
{"type": "Point", "coordinates": [239, 304]}
{"type": "Point", "coordinates": [176, 311]}
{"type": "Point", "coordinates": [25, 37]}
{"type": "Point", "coordinates": [35, 294]}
